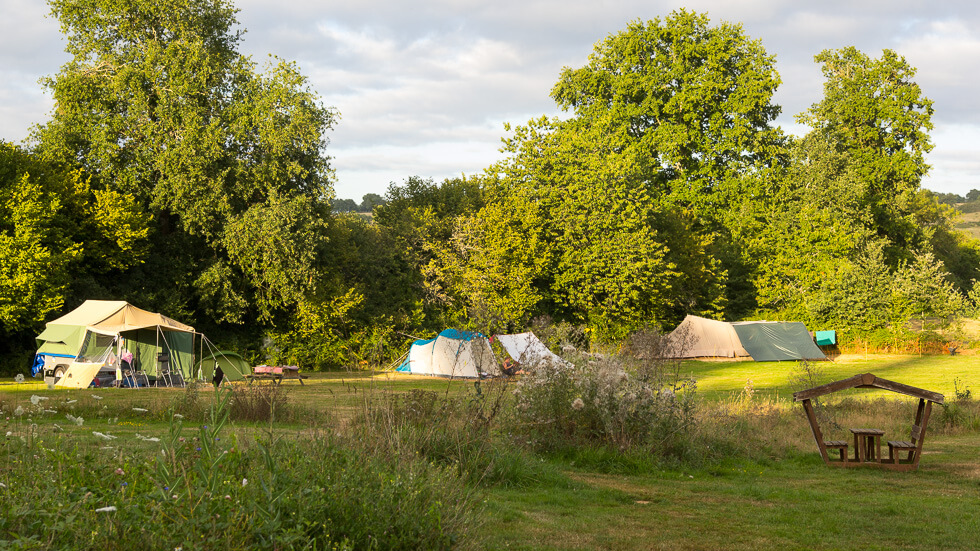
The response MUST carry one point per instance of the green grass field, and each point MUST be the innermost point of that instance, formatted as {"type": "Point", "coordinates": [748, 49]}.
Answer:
{"type": "Point", "coordinates": [782, 498]}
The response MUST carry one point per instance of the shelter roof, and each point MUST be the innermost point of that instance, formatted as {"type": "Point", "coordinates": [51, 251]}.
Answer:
{"type": "Point", "coordinates": [868, 380]}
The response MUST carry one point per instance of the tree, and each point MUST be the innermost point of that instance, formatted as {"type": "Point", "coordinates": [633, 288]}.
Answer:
{"type": "Point", "coordinates": [688, 104]}
{"type": "Point", "coordinates": [344, 205]}
{"type": "Point", "coordinates": [55, 229]}
{"type": "Point", "coordinates": [158, 103]}
{"type": "Point", "coordinates": [369, 201]}
{"type": "Point", "coordinates": [876, 113]}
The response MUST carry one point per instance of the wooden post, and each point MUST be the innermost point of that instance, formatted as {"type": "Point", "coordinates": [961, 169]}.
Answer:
{"type": "Point", "coordinates": [922, 431]}
{"type": "Point", "coordinates": [817, 436]}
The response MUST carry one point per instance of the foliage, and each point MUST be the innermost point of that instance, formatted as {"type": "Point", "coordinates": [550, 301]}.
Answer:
{"type": "Point", "coordinates": [157, 103]}
{"type": "Point", "coordinates": [54, 228]}
{"type": "Point", "coordinates": [605, 218]}
{"type": "Point", "coordinates": [876, 113]}
{"type": "Point", "coordinates": [633, 400]}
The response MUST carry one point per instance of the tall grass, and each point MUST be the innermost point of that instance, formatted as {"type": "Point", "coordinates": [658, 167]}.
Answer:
{"type": "Point", "coordinates": [201, 488]}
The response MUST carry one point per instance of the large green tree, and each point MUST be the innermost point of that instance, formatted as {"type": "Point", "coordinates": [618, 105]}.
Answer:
{"type": "Point", "coordinates": [158, 103]}
{"type": "Point", "coordinates": [608, 217]}
{"type": "Point", "coordinates": [875, 112]}
{"type": "Point", "coordinates": [688, 104]}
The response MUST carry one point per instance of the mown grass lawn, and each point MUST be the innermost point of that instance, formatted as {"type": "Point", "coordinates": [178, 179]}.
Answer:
{"type": "Point", "coordinates": [797, 503]}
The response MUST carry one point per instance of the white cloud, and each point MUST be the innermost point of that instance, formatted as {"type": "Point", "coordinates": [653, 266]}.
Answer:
{"type": "Point", "coordinates": [423, 87]}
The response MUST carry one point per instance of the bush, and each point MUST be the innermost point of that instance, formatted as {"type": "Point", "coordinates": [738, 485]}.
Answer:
{"type": "Point", "coordinates": [630, 400]}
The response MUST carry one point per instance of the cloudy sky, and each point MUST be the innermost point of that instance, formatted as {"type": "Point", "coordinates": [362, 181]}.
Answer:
{"type": "Point", "coordinates": [425, 87]}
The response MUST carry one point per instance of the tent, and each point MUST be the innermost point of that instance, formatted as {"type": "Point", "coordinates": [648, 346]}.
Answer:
{"type": "Point", "coordinates": [452, 353]}
{"type": "Point", "coordinates": [232, 365]}
{"type": "Point", "coordinates": [698, 337]}
{"type": "Point", "coordinates": [774, 341]}
{"type": "Point", "coordinates": [527, 350]}
{"type": "Point", "coordinates": [763, 341]}
{"type": "Point", "coordinates": [76, 346]}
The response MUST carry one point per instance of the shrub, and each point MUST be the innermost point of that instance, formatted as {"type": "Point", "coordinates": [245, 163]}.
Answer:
{"type": "Point", "coordinates": [632, 399]}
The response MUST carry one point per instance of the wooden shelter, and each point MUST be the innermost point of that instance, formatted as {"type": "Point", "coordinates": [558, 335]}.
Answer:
{"type": "Point", "coordinates": [867, 442]}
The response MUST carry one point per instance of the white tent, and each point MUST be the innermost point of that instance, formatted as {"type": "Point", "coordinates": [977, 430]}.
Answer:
{"type": "Point", "coordinates": [527, 350]}
{"type": "Point", "coordinates": [452, 354]}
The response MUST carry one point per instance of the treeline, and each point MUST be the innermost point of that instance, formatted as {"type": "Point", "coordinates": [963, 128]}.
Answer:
{"type": "Point", "coordinates": [176, 175]}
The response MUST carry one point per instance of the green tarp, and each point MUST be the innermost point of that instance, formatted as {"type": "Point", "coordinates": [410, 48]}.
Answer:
{"type": "Point", "coordinates": [777, 341]}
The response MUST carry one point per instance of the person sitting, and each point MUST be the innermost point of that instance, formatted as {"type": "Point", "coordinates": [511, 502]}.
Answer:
{"type": "Point", "coordinates": [511, 367]}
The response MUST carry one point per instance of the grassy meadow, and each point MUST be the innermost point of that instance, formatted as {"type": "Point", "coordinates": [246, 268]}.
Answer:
{"type": "Point", "coordinates": [334, 464]}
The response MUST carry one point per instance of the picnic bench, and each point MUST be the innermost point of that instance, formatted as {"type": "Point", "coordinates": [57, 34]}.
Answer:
{"type": "Point", "coordinates": [275, 373]}
{"type": "Point", "coordinates": [867, 442]}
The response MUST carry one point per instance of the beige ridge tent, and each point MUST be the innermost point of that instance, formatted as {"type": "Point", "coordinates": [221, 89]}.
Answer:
{"type": "Point", "coordinates": [763, 341]}
{"type": "Point", "coordinates": [698, 337]}
{"type": "Point", "coordinates": [76, 346]}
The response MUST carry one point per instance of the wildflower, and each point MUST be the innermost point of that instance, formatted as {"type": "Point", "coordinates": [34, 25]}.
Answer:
{"type": "Point", "coordinates": [9, 434]}
{"type": "Point", "coordinates": [120, 472]}
{"type": "Point", "coordinates": [96, 397]}
{"type": "Point", "coordinates": [2, 485]}
{"type": "Point", "coordinates": [141, 410]}
{"type": "Point", "coordinates": [104, 436]}
{"type": "Point", "coordinates": [227, 497]}
{"type": "Point", "coordinates": [35, 399]}
{"type": "Point", "coordinates": [50, 411]}
{"type": "Point", "coordinates": [178, 416]}
{"type": "Point", "coordinates": [197, 449]}
{"type": "Point", "coordinates": [19, 378]}
{"type": "Point", "coordinates": [244, 482]}
{"type": "Point", "coordinates": [19, 411]}
{"type": "Point", "coordinates": [147, 438]}
{"type": "Point", "coordinates": [578, 404]}
{"type": "Point", "coordinates": [71, 401]}
{"type": "Point", "coordinates": [109, 509]}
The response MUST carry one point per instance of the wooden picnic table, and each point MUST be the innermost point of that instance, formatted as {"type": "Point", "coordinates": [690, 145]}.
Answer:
{"type": "Point", "coordinates": [276, 373]}
{"type": "Point", "coordinates": [867, 445]}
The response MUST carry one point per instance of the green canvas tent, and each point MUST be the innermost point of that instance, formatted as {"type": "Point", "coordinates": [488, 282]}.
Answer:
{"type": "Point", "coordinates": [774, 341]}
{"type": "Point", "coordinates": [77, 345]}
{"type": "Point", "coordinates": [232, 365]}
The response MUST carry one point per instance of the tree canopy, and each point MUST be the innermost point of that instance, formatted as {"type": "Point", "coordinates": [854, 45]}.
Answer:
{"type": "Point", "coordinates": [158, 104]}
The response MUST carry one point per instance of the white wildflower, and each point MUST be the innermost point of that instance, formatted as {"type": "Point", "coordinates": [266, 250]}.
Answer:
{"type": "Point", "coordinates": [178, 416]}
{"type": "Point", "coordinates": [578, 404]}
{"type": "Point", "coordinates": [2, 485]}
{"type": "Point", "coordinates": [19, 378]}
{"type": "Point", "coordinates": [77, 420]}
{"type": "Point", "coordinates": [19, 411]}
{"type": "Point", "coordinates": [35, 399]}
{"type": "Point", "coordinates": [146, 438]}
{"type": "Point", "coordinates": [103, 436]}
{"type": "Point", "coordinates": [96, 397]}
{"type": "Point", "coordinates": [57, 428]}
{"type": "Point", "coordinates": [51, 411]}
{"type": "Point", "coordinates": [9, 434]}
{"type": "Point", "coordinates": [141, 410]}
{"type": "Point", "coordinates": [244, 482]}
{"type": "Point", "coordinates": [71, 401]}
{"type": "Point", "coordinates": [109, 509]}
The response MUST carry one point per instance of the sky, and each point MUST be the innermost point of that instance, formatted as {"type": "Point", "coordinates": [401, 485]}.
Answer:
{"type": "Point", "coordinates": [424, 88]}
